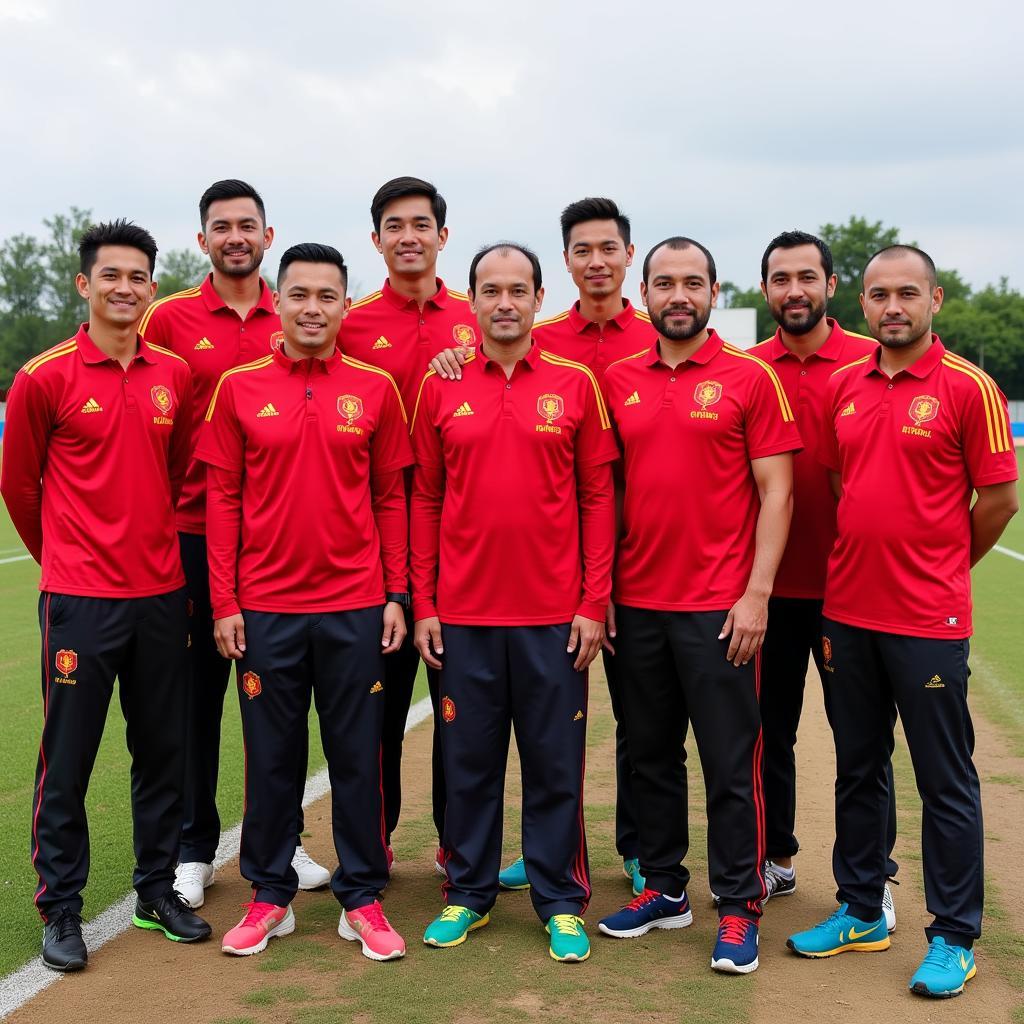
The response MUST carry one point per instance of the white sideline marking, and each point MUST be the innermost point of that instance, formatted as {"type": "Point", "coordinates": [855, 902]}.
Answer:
{"type": "Point", "coordinates": [28, 981]}
{"type": "Point", "coordinates": [1008, 551]}
{"type": "Point", "coordinates": [17, 558]}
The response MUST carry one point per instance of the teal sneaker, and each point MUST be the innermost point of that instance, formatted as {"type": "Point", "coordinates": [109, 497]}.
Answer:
{"type": "Point", "coordinates": [944, 971]}
{"type": "Point", "coordinates": [631, 869]}
{"type": "Point", "coordinates": [840, 933]}
{"type": "Point", "coordinates": [452, 925]}
{"type": "Point", "coordinates": [514, 876]}
{"type": "Point", "coordinates": [569, 942]}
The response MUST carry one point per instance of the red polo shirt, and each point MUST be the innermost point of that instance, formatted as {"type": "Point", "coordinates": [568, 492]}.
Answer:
{"type": "Point", "coordinates": [910, 451]}
{"type": "Point", "coordinates": [388, 330]}
{"type": "Point", "coordinates": [94, 460]}
{"type": "Point", "coordinates": [211, 337]}
{"type": "Point", "coordinates": [813, 530]}
{"type": "Point", "coordinates": [306, 502]}
{"type": "Point", "coordinates": [691, 503]}
{"type": "Point", "coordinates": [572, 336]}
{"type": "Point", "coordinates": [512, 513]}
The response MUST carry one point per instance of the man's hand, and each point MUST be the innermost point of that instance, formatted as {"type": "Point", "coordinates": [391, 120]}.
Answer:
{"type": "Point", "coordinates": [587, 635]}
{"type": "Point", "coordinates": [229, 634]}
{"type": "Point", "coordinates": [395, 629]}
{"type": "Point", "coordinates": [427, 638]}
{"type": "Point", "coordinates": [609, 628]}
{"type": "Point", "coordinates": [747, 621]}
{"type": "Point", "coordinates": [448, 363]}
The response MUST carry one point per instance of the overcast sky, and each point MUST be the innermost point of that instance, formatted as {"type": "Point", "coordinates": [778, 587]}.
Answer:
{"type": "Point", "coordinates": [727, 122]}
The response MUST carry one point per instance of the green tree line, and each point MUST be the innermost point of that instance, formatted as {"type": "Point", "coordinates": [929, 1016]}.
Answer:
{"type": "Point", "coordinates": [40, 307]}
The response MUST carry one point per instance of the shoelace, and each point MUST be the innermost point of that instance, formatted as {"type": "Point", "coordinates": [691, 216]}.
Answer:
{"type": "Point", "coordinates": [67, 924]}
{"type": "Point", "coordinates": [642, 900]}
{"type": "Point", "coordinates": [301, 857]}
{"type": "Point", "coordinates": [773, 878]}
{"type": "Point", "coordinates": [191, 872]}
{"type": "Point", "coordinates": [454, 913]}
{"type": "Point", "coordinates": [374, 915]}
{"type": "Point", "coordinates": [567, 924]}
{"type": "Point", "coordinates": [256, 913]}
{"type": "Point", "coordinates": [941, 957]}
{"type": "Point", "coordinates": [733, 929]}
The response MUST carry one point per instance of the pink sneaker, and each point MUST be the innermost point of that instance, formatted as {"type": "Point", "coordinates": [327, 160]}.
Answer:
{"type": "Point", "coordinates": [262, 922]}
{"type": "Point", "coordinates": [369, 926]}
{"type": "Point", "coordinates": [391, 858]}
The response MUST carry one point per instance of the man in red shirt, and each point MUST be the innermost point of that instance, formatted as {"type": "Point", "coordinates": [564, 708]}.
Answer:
{"type": "Point", "coordinates": [512, 540]}
{"type": "Point", "coordinates": [707, 435]}
{"type": "Point", "coordinates": [227, 320]}
{"type": "Point", "coordinates": [910, 432]}
{"type": "Point", "coordinates": [797, 280]}
{"type": "Point", "coordinates": [95, 452]}
{"type": "Point", "coordinates": [308, 529]}
{"type": "Point", "coordinates": [399, 329]}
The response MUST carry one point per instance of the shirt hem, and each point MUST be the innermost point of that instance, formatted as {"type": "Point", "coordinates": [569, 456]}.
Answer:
{"type": "Point", "coordinates": [647, 604]}
{"type": "Point", "coordinates": [512, 620]}
{"type": "Point", "coordinates": [961, 633]}
{"type": "Point", "coordinates": [50, 587]}
{"type": "Point", "coordinates": [311, 608]}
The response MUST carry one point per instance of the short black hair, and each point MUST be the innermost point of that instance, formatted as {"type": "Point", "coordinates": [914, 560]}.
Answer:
{"type": "Point", "coordinates": [229, 188]}
{"type": "Point", "coordinates": [114, 232]}
{"type": "Point", "coordinates": [792, 239]}
{"type": "Point", "coordinates": [593, 208]}
{"type": "Point", "coordinates": [505, 248]}
{"type": "Point", "coordinates": [682, 242]}
{"type": "Point", "coordinates": [399, 188]}
{"type": "Point", "coordinates": [312, 252]}
{"type": "Point", "coordinates": [902, 250]}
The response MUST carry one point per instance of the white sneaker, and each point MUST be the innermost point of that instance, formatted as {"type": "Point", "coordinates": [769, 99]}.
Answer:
{"type": "Point", "coordinates": [190, 879]}
{"type": "Point", "coordinates": [889, 909]}
{"type": "Point", "coordinates": [311, 875]}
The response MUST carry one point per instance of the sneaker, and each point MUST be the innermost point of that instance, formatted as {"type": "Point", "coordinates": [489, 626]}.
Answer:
{"type": "Point", "coordinates": [63, 945]}
{"type": "Point", "coordinates": [369, 926]}
{"type": "Point", "coordinates": [439, 859]}
{"type": "Point", "coordinates": [839, 933]}
{"type": "Point", "coordinates": [649, 910]}
{"type": "Point", "coordinates": [780, 881]}
{"type": "Point", "coordinates": [736, 947]}
{"type": "Point", "coordinates": [171, 915]}
{"type": "Point", "coordinates": [888, 909]}
{"type": "Point", "coordinates": [190, 879]}
{"type": "Point", "coordinates": [311, 875]}
{"type": "Point", "coordinates": [452, 925]}
{"type": "Point", "coordinates": [262, 922]}
{"type": "Point", "coordinates": [944, 971]}
{"type": "Point", "coordinates": [569, 943]}
{"type": "Point", "coordinates": [631, 869]}
{"type": "Point", "coordinates": [514, 876]}
{"type": "Point", "coordinates": [391, 859]}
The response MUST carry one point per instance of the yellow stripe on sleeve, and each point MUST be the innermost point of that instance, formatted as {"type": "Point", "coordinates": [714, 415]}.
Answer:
{"type": "Point", "coordinates": [602, 410]}
{"type": "Point", "coordinates": [780, 391]}
{"type": "Point", "coordinates": [358, 364]}
{"type": "Point", "coordinates": [187, 293]}
{"type": "Point", "coordinates": [998, 437]}
{"type": "Point", "coordinates": [255, 365]}
{"type": "Point", "coordinates": [63, 349]}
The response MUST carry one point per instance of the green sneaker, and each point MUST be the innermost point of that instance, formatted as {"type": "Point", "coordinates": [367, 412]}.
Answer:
{"type": "Point", "coordinates": [452, 925]}
{"type": "Point", "coordinates": [569, 942]}
{"type": "Point", "coordinates": [514, 876]}
{"type": "Point", "coordinates": [631, 869]}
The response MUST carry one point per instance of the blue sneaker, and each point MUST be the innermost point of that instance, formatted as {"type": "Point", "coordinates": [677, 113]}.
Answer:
{"type": "Point", "coordinates": [944, 971]}
{"type": "Point", "coordinates": [649, 910]}
{"type": "Point", "coordinates": [631, 869]}
{"type": "Point", "coordinates": [839, 933]}
{"type": "Point", "coordinates": [736, 947]}
{"type": "Point", "coordinates": [514, 876]}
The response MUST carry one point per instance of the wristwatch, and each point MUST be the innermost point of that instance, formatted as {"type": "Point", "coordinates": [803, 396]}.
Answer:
{"type": "Point", "coordinates": [402, 599]}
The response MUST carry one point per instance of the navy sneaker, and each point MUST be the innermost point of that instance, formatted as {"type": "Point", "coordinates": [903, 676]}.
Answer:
{"type": "Point", "coordinates": [649, 910]}
{"type": "Point", "coordinates": [736, 948]}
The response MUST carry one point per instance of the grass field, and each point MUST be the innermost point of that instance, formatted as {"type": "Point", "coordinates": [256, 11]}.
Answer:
{"type": "Point", "coordinates": [997, 689]}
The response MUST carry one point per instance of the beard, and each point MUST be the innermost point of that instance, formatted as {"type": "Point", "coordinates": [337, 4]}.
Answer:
{"type": "Point", "coordinates": [913, 333]}
{"type": "Point", "coordinates": [240, 270]}
{"type": "Point", "coordinates": [799, 321]}
{"type": "Point", "coordinates": [681, 332]}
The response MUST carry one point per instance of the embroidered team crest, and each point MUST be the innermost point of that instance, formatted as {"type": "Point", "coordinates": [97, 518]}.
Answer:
{"type": "Point", "coordinates": [252, 685]}
{"type": "Point", "coordinates": [162, 399]}
{"type": "Point", "coordinates": [551, 407]}
{"type": "Point", "coordinates": [707, 392]}
{"type": "Point", "coordinates": [276, 340]}
{"type": "Point", "coordinates": [826, 648]}
{"type": "Point", "coordinates": [350, 407]}
{"type": "Point", "coordinates": [923, 408]}
{"type": "Point", "coordinates": [448, 709]}
{"type": "Point", "coordinates": [464, 334]}
{"type": "Point", "coordinates": [67, 662]}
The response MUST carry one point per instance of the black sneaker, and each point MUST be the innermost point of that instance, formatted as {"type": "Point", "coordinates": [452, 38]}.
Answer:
{"type": "Point", "coordinates": [777, 882]}
{"type": "Point", "coordinates": [63, 947]}
{"type": "Point", "coordinates": [171, 915]}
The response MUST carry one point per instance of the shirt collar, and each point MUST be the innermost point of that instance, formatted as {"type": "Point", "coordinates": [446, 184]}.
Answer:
{"type": "Point", "coordinates": [327, 365]}
{"type": "Point", "coordinates": [92, 355]}
{"type": "Point", "coordinates": [920, 369]}
{"type": "Point", "coordinates": [702, 356]}
{"type": "Point", "coordinates": [830, 350]}
{"type": "Point", "coordinates": [621, 320]}
{"type": "Point", "coordinates": [214, 302]}
{"type": "Point", "coordinates": [530, 360]}
{"type": "Point", "coordinates": [438, 299]}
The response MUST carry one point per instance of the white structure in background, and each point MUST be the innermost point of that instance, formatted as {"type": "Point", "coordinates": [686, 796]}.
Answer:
{"type": "Point", "coordinates": [736, 326]}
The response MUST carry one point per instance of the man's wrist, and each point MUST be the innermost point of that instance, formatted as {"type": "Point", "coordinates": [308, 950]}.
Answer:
{"type": "Point", "coordinates": [399, 597]}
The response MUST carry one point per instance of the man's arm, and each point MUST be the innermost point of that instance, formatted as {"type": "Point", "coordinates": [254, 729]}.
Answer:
{"type": "Point", "coordinates": [997, 504]}
{"type": "Point", "coordinates": [748, 618]}
{"type": "Point", "coordinates": [390, 513]}
{"type": "Point", "coordinates": [595, 493]}
{"type": "Point", "coordinates": [181, 439]}
{"type": "Point", "coordinates": [223, 532]}
{"type": "Point", "coordinates": [26, 438]}
{"type": "Point", "coordinates": [425, 544]}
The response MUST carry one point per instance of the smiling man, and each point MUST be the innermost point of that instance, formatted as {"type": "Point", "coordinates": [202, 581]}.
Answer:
{"type": "Point", "coordinates": [95, 452]}
{"type": "Point", "coordinates": [308, 548]}
{"type": "Point", "coordinates": [911, 431]}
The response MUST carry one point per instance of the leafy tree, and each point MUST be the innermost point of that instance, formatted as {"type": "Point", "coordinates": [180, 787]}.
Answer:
{"type": "Point", "coordinates": [179, 269]}
{"type": "Point", "coordinates": [65, 306]}
{"type": "Point", "coordinates": [732, 297]}
{"type": "Point", "coordinates": [22, 276]}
